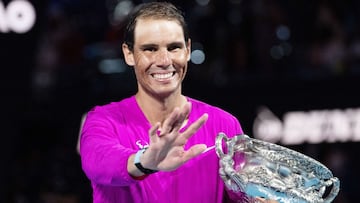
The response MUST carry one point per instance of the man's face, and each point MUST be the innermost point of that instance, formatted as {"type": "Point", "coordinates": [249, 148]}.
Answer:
{"type": "Point", "coordinates": [160, 56]}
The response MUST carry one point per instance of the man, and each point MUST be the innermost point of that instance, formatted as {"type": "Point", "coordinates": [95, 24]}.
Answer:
{"type": "Point", "coordinates": [150, 147]}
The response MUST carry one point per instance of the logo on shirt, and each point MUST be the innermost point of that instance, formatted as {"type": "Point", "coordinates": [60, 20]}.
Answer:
{"type": "Point", "coordinates": [142, 144]}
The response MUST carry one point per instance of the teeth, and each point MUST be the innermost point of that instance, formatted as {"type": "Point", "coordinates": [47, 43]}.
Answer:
{"type": "Point", "coordinates": [163, 76]}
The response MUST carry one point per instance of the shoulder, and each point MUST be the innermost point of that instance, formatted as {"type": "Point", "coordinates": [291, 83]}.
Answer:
{"type": "Point", "coordinates": [198, 105]}
{"type": "Point", "coordinates": [119, 107]}
{"type": "Point", "coordinates": [124, 103]}
{"type": "Point", "coordinates": [219, 120]}
{"type": "Point", "coordinates": [217, 115]}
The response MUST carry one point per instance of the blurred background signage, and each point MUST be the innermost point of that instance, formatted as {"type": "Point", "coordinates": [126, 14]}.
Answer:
{"type": "Point", "coordinates": [17, 16]}
{"type": "Point", "coordinates": [315, 126]}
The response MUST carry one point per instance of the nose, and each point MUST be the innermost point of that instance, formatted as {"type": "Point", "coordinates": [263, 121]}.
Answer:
{"type": "Point", "coordinates": [163, 58]}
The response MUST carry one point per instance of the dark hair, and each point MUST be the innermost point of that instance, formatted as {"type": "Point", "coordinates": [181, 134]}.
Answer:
{"type": "Point", "coordinates": [155, 10]}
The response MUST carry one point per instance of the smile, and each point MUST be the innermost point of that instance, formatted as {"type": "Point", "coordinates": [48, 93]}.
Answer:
{"type": "Point", "coordinates": [163, 76]}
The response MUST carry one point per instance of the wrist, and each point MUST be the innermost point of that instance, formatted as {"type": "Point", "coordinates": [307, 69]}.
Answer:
{"type": "Point", "coordinates": [138, 164]}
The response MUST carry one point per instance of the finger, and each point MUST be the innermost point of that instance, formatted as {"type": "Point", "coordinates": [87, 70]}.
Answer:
{"type": "Point", "coordinates": [153, 132]}
{"type": "Point", "coordinates": [185, 110]}
{"type": "Point", "coordinates": [168, 123]}
{"type": "Point", "coordinates": [176, 119]}
{"type": "Point", "coordinates": [194, 151]}
{"type": "Point", "coordinates": [183, 115]}
{"type": "Point", "coordinates": [195, 126]}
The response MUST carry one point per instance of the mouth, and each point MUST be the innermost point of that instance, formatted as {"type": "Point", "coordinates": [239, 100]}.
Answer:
{"type": "Point", "coordinates": [163, 76]}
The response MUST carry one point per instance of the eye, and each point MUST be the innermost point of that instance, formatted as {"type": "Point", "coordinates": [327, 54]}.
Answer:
{"type": "Point", "coordinates": [150, 49]}
{"type": "Point", "coordinates": [174, 47]}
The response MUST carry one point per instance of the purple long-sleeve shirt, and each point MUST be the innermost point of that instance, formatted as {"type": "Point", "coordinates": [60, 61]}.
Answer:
{"type": "Point", "coordinates": [111, 133]}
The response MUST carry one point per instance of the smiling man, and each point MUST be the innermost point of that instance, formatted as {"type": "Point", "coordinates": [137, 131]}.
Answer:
{"type": "Point", "coordinates": [151, 147]}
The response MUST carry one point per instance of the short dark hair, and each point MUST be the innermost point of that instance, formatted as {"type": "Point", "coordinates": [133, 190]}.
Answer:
{"type": "Point", "coordinates": [155, 10]}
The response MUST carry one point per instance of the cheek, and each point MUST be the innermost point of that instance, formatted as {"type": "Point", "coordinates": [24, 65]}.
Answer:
{"type": "Point", "coordinates": [181, 59]}
{"type": "Point", "coordinates": [181, 66]}
{"type": "Point", "coordinates": [142, 61]}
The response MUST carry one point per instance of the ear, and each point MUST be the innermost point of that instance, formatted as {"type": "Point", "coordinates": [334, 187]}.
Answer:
{"type": "Point", "coordinates": [188, 48]}
{"type": "Point", "coordinates": [128, 55]}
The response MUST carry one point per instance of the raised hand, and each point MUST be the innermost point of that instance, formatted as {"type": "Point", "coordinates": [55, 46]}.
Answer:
{"type": "Point", "coordinates": [166, 150]}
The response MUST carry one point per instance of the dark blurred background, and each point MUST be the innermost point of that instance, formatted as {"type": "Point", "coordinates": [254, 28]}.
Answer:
{"type": "Point", "coordinates": [287, 56]}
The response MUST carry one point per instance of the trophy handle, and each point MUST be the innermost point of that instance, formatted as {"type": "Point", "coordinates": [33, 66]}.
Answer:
{"type": "Point", "coordinates": [335, 182]}
{"type": "Point", "coordinates": [219, 145]}
{"type": "Point", "coordinates": [222, 139]}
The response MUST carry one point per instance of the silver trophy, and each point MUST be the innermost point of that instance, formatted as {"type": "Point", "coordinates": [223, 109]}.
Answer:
{"type": "Point", "coordinates": [257, 168]}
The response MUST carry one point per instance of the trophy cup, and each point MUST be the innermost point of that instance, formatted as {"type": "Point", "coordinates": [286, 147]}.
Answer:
{"type": "Point", "coordinates": [257, 168]}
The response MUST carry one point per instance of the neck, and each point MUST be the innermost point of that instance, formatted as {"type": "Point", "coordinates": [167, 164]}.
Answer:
{"type": "Point", "coordinates": [157, 109]}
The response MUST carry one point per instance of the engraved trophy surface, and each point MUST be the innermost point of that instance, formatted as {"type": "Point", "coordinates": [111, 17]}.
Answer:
{"type": "Point", "coordinates": [262, 169]}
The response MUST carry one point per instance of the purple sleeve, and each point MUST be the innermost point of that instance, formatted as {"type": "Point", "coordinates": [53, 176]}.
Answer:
{"type": "Point", "coordinates": [103, 158]}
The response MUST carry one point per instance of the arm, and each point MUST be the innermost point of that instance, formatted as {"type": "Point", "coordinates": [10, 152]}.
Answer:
{"type": "Point", "coordinates": [103, 158]}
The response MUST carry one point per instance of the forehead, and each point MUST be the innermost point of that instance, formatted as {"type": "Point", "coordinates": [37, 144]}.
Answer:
{"type": "Point", "coordinates": [158, 29]}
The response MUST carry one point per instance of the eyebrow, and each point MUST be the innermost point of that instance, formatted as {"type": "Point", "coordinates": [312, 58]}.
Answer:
{"type": "Point", "coordinates": [151, 45]}
{"type": "Point", "coordinates": [145, 46]}
{"type": "Point", "coordinates": [180, 44]}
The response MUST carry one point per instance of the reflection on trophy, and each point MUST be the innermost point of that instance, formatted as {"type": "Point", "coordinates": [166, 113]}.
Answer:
{"type": "Point", "coordinates": [262, 169]}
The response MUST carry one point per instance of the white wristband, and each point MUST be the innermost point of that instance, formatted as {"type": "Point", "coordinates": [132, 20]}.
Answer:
{"type": "Point", "coordinates": [138, 164]}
